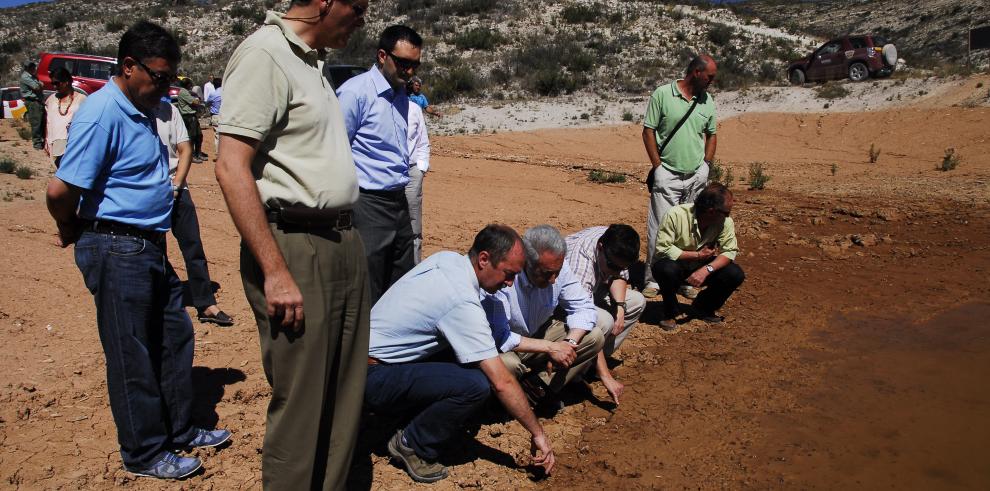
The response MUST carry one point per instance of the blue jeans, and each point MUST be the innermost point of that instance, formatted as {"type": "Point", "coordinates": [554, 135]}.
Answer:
{"type": "Point", "coordinates": [147, 339]}
{"type": "Point", "coordinates": [445, 394]}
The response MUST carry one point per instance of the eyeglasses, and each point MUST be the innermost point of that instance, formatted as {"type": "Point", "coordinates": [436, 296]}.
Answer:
{"type": "Point", "coordinates": [402, 63]}
{"type": "Point", "coordinates": [161, 79]}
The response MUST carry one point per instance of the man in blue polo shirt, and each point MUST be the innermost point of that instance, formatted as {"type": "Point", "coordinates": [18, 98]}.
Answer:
{"type": "Point", "coordinates": [432, 352]}
{"type": "Point", "coordinates": [115, 170]}
{"type": "Point", "coordinates": [376, 109]}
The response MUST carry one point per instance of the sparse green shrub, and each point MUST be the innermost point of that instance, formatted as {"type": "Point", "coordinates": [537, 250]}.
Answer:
{"type": "Point", "coordinates": [478, 38]}
{"type": "Point", "coordinates": [950, 160]}
{"type": "Point", "coordinates": [874, 153]}
{"type": "Point", "coordinates": [627, 115]}
{"type": "Point", "coordinates": [758, 177]}
{"type": "Point", "coordinates": [579, 14]}
{"type": "Point", "coordinates": [13, 46]}
{"type": "Point", "coordinates": [238, 28]}
{"type": "Point", "coordinates": [721, 34]}
{"type": "Point", "coordinates": [180, 36]}
{"type": "Point", "coordinates": [835, 168]}
{"type": "Point", "coordinates": [158, 12]}
{"type": "Point", "coordinates": [605, 177]}
{"type": "Point", "coordinates": [24, 172]}
{"type": "Point", "coordinates": [832, 90]}
{"type": "Point", "coordinates": [248, 12]}
{"type": "Point", "coordinates": [114, 25]}
{"type": "Point", "coordinates": [459, 80]}
{"type": "Point", "coordinates": [551, 82]}
{"type": "Point", "coordinates": [7, 166]}
{"type": "Point", "coordinates": [58, 22]}
{"type": "Point", "coordinates": [720, 174]}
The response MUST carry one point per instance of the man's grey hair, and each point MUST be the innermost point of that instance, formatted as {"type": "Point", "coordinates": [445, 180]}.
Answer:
{"type": "Point", "coordinates": [540, 239]}
{"type": "Point", "coordinates": [699, 62]}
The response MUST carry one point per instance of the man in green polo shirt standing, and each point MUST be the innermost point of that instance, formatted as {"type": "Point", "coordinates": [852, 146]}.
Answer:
{"type": "Point", "coordinates": [680, 146]}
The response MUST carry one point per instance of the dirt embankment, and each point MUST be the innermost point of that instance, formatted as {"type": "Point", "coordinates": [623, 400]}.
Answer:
{"type": "Point", "coordinates": [854, 355]}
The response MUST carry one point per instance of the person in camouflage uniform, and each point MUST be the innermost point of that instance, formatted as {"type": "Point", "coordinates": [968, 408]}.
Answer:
{"type": "Point", "coordinates": [32, 93]}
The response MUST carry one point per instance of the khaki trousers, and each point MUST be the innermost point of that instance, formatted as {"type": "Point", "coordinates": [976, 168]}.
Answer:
{"type": "Point", "coordinates": [317, 374]}
{"type": "Point", "coordinates": [587, 350]}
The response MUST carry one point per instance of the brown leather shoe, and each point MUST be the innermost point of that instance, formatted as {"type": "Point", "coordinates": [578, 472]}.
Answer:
{"type": "Point", "coordinates": [417, 468]}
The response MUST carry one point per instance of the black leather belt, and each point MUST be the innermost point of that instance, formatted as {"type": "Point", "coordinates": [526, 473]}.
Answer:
{"type": "Point", "coordinates": [395, 194]}
{"type": "Point", "coordinates": [297, 216]}
{"type": "Point", "coordinates": [117, 228]}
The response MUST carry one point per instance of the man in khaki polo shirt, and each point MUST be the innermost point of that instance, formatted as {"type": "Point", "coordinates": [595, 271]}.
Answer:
{"type": "Point", "coordinates": [286, 172]}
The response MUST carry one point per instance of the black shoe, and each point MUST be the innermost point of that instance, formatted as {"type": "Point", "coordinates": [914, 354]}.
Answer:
{"type": "Point", "coordinates": [220, 318]}
{"type": "Point", "coordinates": [709, 317]}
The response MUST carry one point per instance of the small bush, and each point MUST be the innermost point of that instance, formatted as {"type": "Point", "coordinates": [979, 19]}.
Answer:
{"type": "Point", "coordinates": [238, 28]}
{"type": "Point", "coordinates": [721, 34]}
{"type": "Point", "coordinates": [874, 153]}
{"type": "Point", "coordinates": [758, 177]}
{"type": "Point", "coordinates": [832, 91]}
{"type": "Point", "coordinates": [950, 160]}
{"type": "Point", "coordinates": [114, 25]}
{"type": "Point", "coordinates": [552, 82]}
{"type": "Point", "coordinates": [606, 177]}
{"type": "Point", "coordinates": [58, 22]}
{"type": "Point", "coordinates": [459, 80]}
{"type": "Point", "coordinates": [7, 166]}
{"type": "Point", "coordinates": [13, 46]}
{"type": "Point", "coordinates": [579, 14]}
{"type": "Point", "coordinates": [720, 174]}
{"type": "Point", "coordinates": [835, 168]}
{"type": "Point", "coordinates": [158, 12]}
{"type": "Point", "coordinates": [24, 132]}
{"type": "Point", "coordinates": [24, 172]}
{"type": "Point", "coordinates": [479, 38]}
{"type": "Point", "coordinates": [248, 12]}
{"type": "Point", "coordinates": [627, 115]}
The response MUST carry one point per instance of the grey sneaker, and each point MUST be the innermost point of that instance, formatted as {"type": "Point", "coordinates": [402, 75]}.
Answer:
{"type": "Point", "coordinates": [417, 468]}
{"type": "Point", "coordinates": [169, 466]}
{"type": "Point", "coordinates": [209, 438]}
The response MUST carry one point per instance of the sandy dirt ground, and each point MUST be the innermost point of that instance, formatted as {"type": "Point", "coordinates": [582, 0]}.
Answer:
{"type": "Point", "coordinates": [855, 355]}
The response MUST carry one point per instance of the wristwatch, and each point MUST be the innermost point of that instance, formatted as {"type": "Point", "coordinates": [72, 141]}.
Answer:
{"type": "Point", "coordinates": [572, 342]}
{"type": "Point", "coordinates": [620, 304]}
{"type": "Point", "coordinates": [709, 268]}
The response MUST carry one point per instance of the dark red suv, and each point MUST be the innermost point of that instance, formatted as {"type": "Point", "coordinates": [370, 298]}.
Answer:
{"type": "Point", "coordinates": [89, 73]}
{"type": "Point", "coordinates": [856, 57]}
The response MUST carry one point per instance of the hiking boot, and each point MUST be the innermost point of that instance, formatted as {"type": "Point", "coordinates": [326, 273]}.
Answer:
{"type": "Point", "coordinates": [688, 291]}
{"type": "Point", "coordinates": [417, 468]}
{"type": "Point", "coordinates": [209, 438]}
{"type": "Point", "coordinates": [169, 466]}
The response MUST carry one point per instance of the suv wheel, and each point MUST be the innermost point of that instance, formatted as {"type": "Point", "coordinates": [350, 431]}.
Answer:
{"type": "Point", "coordinates": [858, 72]}
{"type": "Point", "coordinates": [797, 76]}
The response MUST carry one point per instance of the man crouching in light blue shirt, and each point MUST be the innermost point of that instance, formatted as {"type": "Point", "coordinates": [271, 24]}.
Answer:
{"type": "Point", "coordinates": [431, 313]}
{"type": "Point", "coordinates": [376, 110]}
{"type": "Point", "coordinates": [523, 323]}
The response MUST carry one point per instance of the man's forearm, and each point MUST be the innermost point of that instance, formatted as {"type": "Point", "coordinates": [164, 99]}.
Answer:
{"type": "Point", "coordinates": [233, 171]}
{"type": "Point", "coordinates": [510, 394]}
{"type": "Point", "coordinates": [184, 152]}
{"type": "Point", "coordinates": [62, 200]}
{"type": "Point", "coordinates": [531, 345]}
{"type": "Point", "coordinates": [650, 143]}
{"type": "Point", "coordinates": [711, 141]}
{"type": "Point", "coordinates": [576, 334]}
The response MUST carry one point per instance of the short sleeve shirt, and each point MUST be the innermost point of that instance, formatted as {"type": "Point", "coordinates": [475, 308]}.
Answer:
{"type": "Point", "coordinates": [686, 149]}
{"type": "Point", "coordinates": [433, 307]}
{"type": "Point", "coordinates": [185, 101]}
{"type": "Point", "coordinates": [275, 92]}
{"type": "Point", "coordinates": [114, 154]}
{"type": "Point", "coordinates": [172, 132]}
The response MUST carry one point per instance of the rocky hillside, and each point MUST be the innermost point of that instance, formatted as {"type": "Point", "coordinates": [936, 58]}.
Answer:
{"type": "Point", "coordinates": [490, 49]}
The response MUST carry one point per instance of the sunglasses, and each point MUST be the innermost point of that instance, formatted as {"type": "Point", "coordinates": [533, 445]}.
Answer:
{"type": "Point", "coordinates": [160, 79]}
{"type": "Point", "coordinates": [402, 63]}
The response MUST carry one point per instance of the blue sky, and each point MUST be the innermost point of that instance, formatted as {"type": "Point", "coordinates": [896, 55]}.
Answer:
{"type": "Point", "coordinates": [14, 3]}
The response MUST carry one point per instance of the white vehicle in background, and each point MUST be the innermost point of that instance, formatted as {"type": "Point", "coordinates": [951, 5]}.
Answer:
{"type": "Point", "coordinates": [13, 105]}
